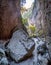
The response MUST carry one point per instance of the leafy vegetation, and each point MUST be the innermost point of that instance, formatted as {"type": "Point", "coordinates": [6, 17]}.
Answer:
{"type": "Point", "coordinates": [24, 21]}
{"type": "Point", "coordinates": [31, 30]}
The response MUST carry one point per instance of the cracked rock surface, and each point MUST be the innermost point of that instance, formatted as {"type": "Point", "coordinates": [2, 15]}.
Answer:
{"type": "Point", "coordinates": [20, 47]}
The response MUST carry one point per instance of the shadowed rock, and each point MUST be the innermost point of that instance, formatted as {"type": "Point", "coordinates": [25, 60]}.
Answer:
{"type": "Point", "coordinates": [10, 17]}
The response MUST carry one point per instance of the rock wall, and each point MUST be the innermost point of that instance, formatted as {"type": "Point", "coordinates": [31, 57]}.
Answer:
{"type": "Point", "coordinates": [10, 17]}
{"type": "Point", "coordinates": [41, 15]}
{"type": "Point", "coordinates": [48, 15]}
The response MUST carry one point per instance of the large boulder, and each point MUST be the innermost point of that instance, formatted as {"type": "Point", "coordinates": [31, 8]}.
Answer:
{"type": "Point", "coordinates": [20, 47]}
{"type": "Point", "coordinates": [10, 17]}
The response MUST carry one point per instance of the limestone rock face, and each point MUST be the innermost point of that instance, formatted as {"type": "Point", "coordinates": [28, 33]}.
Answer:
{"type": "Point", "coordinates": [10, 17]}
{"type": "Point", "coordinates": [20, 47]}
{"type": "Point", "coordinates": [41, 16]}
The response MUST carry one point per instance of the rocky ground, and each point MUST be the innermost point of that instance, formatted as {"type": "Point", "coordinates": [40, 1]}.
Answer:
{"type": "Point", "coordinates": [22, 50]}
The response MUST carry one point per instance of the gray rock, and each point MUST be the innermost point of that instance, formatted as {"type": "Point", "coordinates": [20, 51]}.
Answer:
{"type": "Point", "coordinates": [42, 49]}
{"type": "Point", "coordinates": [42, 60]}
{"type": "Point", "coordinates": [2, 52]}
{"type": "Point", "coordinates": [3, 59]}
{"type": "Point", "coordinates": [48, 40]}
{"type": "Point", "coordinates": [26, 62]}
{"type": "Point", "coordinates": [20, 47]}
{"type": "Point", "coordinates": [41, 55]}
{"type": "Point", "coordinates": [49, 48]}
{"type": "Point", "coordinates": [36, 59]}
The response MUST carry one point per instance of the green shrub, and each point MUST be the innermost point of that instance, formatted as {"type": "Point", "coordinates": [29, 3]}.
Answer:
{"type": "Point", "coordinates": [24, 21]}
{"type": "Point", "coordinates": [32, 28]}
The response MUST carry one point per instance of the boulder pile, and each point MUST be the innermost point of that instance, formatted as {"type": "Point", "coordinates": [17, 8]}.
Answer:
{"type": "Point", "coordinates": [23, 50]}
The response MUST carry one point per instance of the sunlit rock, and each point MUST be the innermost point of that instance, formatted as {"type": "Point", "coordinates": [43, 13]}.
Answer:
{"type": "Point", "coordinates": [20, 47]}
